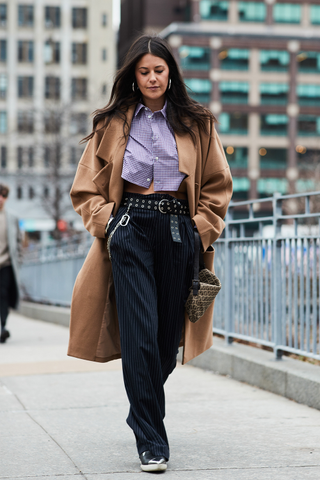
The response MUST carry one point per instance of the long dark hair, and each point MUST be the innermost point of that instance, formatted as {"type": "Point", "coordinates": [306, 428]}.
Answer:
{"type": "Point", "coordinates": [183, 113]}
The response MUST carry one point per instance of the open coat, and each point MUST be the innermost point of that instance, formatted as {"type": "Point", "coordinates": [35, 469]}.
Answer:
{"type": "Point", "coordinates": [97, 192]}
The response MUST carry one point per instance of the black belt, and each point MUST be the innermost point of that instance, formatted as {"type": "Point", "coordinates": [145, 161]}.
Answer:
{"type": "Point", "coordinates": [166, 206]}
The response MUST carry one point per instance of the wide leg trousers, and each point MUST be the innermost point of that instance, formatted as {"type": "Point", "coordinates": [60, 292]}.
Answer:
{"type": "Point", "coordinates": [152, 275]}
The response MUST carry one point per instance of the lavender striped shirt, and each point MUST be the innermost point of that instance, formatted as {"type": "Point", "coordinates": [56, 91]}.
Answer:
{"type": "Point", "coordinates": [151, 152]}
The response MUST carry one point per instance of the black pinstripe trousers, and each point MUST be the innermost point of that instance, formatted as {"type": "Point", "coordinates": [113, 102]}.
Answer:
{"type": "Point", "coordinates": [152, 275]}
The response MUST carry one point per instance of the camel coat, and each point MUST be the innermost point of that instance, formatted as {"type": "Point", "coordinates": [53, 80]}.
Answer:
{"type": "Point", "coordinates": [96, 193]}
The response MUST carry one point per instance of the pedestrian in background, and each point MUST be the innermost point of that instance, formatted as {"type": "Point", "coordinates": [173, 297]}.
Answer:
{"type": "Point", "coordinates": [153, 170]}
{"type": "Point", "coordinates": [9, 245]}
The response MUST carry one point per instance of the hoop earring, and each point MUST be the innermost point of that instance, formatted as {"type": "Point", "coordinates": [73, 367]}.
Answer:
{"type": "Point", "coordinates": [133, 86]}
{"type": "Point", "coordinates": [169, 85]}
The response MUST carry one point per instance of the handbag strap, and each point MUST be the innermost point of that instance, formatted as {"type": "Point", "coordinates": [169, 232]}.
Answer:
{"type": "Point", "coordinates": [196, 259]}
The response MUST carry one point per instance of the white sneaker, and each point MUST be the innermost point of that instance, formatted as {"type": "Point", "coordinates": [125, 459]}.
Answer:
{"type": "Point", "coordinates": [151, 463]}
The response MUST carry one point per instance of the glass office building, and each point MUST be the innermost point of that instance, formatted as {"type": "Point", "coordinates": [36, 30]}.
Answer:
{"type": "Point", "coordinates": [256, 65]}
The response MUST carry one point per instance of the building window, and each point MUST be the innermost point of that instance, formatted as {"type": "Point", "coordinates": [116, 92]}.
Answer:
{"type": "Point", "coordinates": [104, 54]}
{"type": "Point", "coordinates": [214, 10]}
{"type": "Point", "coordinates": [194, 58]}
{"type": "Point", "coordinates": [308, 159]}
{"type": "Point", "coordinates": [234, 59]}
{"type": "Point", "coordinates": [52, 88]}
{"type": "Point", "coordinates": [79, 88]}
{"type": "Point", "coordinates": [286, 13]}
{"type": "Point", "coordinates": [52, 17]}
{"type": "Point", "coordinates": [273, 124]}
{"type": "Point", "coordinates": [274, 60]}
{"type": "Point", "coordinates": [3, 50]}
{"type": "Point", "coordinates": [52, 122]}
{"type": "Point", "coordinates": [104, 89]}
{"type": "Point", "coordinates": [25, 87]}
{"type": "Point", "coordinates": [308, 62]}
{"type": "Point", "coordinates": [308, 95]}
{"type": "Point", "coordinates": [31, 193]}
{"type": "Point", "coordinates": [25, 51]}
{"type": "Point", "coordinates": [25, 121]}
{"type": "Point", "coordinates": [78, 123]}
{"type": "Point", "coordinates": [273, 158]}
{"type": "Point", "coordinates": [3, 153]}
{"type": "Point", "coordinates": [79, 53]}
{"type": "Point", "coordinates": [274, 93]}
{"type": "Point", "coordinates": [19, 193]}
{"type": "Point", "coordinates": [25, 15]}
{"type": "Point", "coordinates": [241, 186]}
{"type": "Point", "coordinates": [75, 154]}
{"type": "Point", "coordinates": [3, 85]}
{"type": "Point", "coordinates": [234, 92]}
{"type": "Point", "coordinates": [19, 157]}
{"type": "Point", "coordinates": [237, 156]}
{"type": "Point", "coordinates": [199, 89]}
{"type": "Point", "coordinates": [46, 192]}
{"type": "Point", "coordinates": [30, 157]}
{"type": "Point", "coordinates": [314, 14]}
{"type": "Point", "coordinates": [267, 186]}
{"type": "Point", "coordinates": [104, 20]}
{"type": "Point", "coordinates": [3, 14]}
{"type": "Point", "coordinates": [252, 11]}
{"type": "Point", "coordinates": [51, 52]}
{"type": "Point", "coordinates": [3, 122]}
{"type": "Point", "coordinates": [79, 18]}
{"type": "Point", "coordinates": [52, 156]}
{"type": "Point", "coordinates": [308, 125]}
{"type": "Point", "coordinates": [233, 123]}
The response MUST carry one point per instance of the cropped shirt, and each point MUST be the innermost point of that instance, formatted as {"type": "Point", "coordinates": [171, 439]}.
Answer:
{"type": "Point", "coordinates": [151, 152]}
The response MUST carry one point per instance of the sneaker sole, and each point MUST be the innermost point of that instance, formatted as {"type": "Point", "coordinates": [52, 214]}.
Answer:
{"type": "Point", "coordinates": [154, 467]}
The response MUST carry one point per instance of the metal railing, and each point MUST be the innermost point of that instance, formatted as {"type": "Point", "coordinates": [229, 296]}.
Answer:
{"type": "Point", "coordinates": [48, 273]}
{"type": "Point", "coordinates": [270, 275]}
{"type": "Point", "coordinates": [268, 266]}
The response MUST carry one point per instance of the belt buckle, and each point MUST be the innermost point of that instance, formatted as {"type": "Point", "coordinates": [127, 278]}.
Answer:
{"type": "Point", "coordinates": [159, 205]}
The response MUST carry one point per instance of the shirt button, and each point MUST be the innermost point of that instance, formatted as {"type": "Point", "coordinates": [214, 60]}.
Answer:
{"type": "Point", "coordinates": [149, 116]}
{"type": "Point", "coordinates": [157, 158]}
{"type": "Point", "coordinates": [148, 179]}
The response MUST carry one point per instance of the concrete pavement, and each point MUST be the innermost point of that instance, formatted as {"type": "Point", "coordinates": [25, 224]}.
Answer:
{"type": "Point", "coordinates": [62, 419]}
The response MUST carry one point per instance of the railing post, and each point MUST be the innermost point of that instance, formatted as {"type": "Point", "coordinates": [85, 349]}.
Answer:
{"type": "Point", "coordinates": [276, 307]}
{"type": "Point", "coordinates": [228, 279]}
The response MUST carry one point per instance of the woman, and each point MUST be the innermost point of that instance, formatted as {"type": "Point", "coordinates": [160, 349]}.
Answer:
{"type": "Point", "coordinates": [152, 171]}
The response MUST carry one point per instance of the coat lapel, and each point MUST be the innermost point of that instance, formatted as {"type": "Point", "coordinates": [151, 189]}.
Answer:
{"type": "Point", "coordinates": [187, 164]}
{"type": "Point", "coordinates": [186, 153]}
{"type": "Point", "coordinates": [111, 150]}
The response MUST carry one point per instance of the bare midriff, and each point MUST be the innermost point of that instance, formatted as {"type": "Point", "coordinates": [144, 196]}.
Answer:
{"type": "Point", "coordinates": [131, 187]}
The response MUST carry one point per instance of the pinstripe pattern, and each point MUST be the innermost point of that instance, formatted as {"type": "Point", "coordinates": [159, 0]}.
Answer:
{"type": "Point", "coordinates": [152, 275]}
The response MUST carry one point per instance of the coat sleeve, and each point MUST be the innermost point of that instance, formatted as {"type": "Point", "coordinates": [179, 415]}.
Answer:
{"type": "Point", "coordinates": [87, 200]}
{"type": "Point", "coordinates": [215, 191]}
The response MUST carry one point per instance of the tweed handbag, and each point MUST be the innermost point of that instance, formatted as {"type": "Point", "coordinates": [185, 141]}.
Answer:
{"type": "Point", "coordinates": [205, 285]}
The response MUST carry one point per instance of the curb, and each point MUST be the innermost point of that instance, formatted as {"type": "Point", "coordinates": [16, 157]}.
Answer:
{"type": "Point", "coordinates": [290, 378]}
{"type": "Point", "coordinates": [46, 313]}
{"type": "Point", "coordinates": [293, 379]}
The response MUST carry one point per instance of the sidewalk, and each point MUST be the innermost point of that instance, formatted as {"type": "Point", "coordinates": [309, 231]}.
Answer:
{"type": "Point", "coordinates": [64, 419]}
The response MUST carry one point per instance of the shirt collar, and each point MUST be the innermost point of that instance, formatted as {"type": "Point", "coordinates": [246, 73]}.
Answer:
{"type": "Point", "coordinates": [140, 106]}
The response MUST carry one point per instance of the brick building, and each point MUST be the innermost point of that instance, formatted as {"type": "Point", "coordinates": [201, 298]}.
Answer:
{"type": "Point", "coordinates": [256, 65]}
